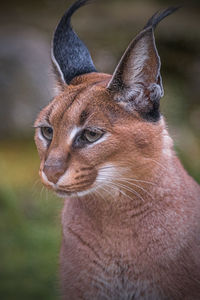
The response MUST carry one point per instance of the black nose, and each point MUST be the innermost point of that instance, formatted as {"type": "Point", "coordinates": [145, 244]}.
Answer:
{"type": "Point", "coordinates": [54, 171]}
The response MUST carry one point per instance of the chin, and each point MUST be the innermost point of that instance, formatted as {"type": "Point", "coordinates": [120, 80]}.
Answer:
{"type": "Point", "coordinates": [79, 194]}
{"type": "Point", "coordinates": [63, 194]}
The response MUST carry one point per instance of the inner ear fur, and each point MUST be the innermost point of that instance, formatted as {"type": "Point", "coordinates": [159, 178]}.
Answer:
{"type": "Point", "coordinates": [136, 82]}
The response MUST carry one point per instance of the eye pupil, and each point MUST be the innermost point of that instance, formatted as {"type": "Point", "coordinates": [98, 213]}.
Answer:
{"type": "Point", "coordinates": [49, 130]}
{"type": "Point", "coordinates": [92, 133]}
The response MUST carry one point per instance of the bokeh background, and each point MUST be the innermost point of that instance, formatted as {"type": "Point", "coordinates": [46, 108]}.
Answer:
{"type": "Point", "coordinates": [29, 215]}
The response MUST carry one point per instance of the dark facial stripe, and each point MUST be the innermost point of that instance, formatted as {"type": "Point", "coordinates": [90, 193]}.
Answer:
{"type": "Point", "coordinates": [83, 117]}
{"type": "Point", "coordinates": [86, 168]}
{"type": "Point", "coordinates": [72, 101]}
{"type": "Point", "coordinates": [68, 105]}
{"type": "Point", "coordinates": [78, 184]}
{"type": "Point", "coordinates": [85, 114]}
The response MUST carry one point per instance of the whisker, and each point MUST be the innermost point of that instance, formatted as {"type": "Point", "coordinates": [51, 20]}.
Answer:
{"type": "Point", "coordinates": [46, 195]}
{"type": "Point", "coordinates": [35, 183]}
{"type": "Point", "coordinates": [107, 191]}
{"type": "Point", "coordinates": [159, 164]}
{"type": "Point", "coordinates": [126, 188]}
{"type": "Point", "coordinates": [138, 180]}
{"type": "Point", "coordinates": [41, 192]}
{"type": "Point", "coordinates": [138, 186]}
{"type": "Point", "coordinates": [123, 193]}
{"type": "Point", "coordinates": [133, 179]}
{"type": "Point", "coordinates": [99, 194]}
{"type": "Point", "coordinates": [116, 188]}
{"type": "Point", "coordinates": [131, 190]}
{"type": "Point", "coordinates": [93, 196]}
{"type": "Point", "coordinates": [131, 183]}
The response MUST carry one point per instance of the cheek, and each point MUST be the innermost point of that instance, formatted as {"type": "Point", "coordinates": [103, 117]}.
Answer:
{"type": "Point", "coordinates": [142, 144]}
{"type": "Point", "coordinates": [41, 146]}
{"type": "Point", "coordinates": [99, 153]}
{"type": "Point", "coordinates": [147, 144]}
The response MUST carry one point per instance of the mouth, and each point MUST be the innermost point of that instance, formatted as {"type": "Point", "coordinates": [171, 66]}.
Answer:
{"type": "Point", "coordinates": [64, 194]}
{"type": "Point", "coordinates": [67, 191]}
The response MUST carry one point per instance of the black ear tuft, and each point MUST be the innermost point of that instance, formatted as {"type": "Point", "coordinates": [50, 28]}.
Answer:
{"type": "Point", "coordinates": [69, 54]}
{"type": "Point", "coordinates": [159, 16]}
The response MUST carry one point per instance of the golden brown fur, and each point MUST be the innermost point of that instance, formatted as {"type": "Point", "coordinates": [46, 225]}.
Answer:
{"type": "Point", "coordinates": [131, 219]}
{"type": "Point", "coordinates": [148, 235]}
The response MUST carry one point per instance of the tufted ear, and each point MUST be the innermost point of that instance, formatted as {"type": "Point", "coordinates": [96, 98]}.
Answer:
{"type": "Point", "coordinates": [70, 56]}
{"type": "Point", "coordinates": [136, 82]}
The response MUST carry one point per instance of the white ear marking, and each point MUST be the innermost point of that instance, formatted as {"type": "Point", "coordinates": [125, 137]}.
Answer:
{"type": "Point", "coordinates": [57, 66]}
{"type": "Point", "coordinates": [137, 64]}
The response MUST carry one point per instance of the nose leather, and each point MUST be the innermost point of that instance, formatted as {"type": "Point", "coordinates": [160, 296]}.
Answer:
{"type": "Point", "coordinates": [55, 171]}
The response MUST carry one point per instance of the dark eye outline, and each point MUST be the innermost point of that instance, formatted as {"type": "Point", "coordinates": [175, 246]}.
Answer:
{"type": "Point", "coordinates": [44, 134]}
{"type": "Point", "coordinates": [81, 140]}
{"type": "Point", "coordinates": [99, 134]}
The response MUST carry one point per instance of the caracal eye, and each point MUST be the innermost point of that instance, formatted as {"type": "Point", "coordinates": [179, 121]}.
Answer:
{"type": "Point", "coordinates": [47, 133]}
{"type": "Point", "coordinates": [92, 136]}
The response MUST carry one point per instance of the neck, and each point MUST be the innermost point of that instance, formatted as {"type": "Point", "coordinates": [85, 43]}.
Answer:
{"type": "Point", "coordinates": [166, 192]}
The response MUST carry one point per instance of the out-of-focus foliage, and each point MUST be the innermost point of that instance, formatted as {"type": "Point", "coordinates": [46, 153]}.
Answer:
{"type": "Point", "coordinates": [30, 216]}
{"type": "Point", "coordinates": [29, 226]}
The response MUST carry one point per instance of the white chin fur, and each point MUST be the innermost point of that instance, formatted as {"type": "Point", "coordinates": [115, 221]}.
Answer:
{"type": "Point", "coordinates": [105, 173]}
{"type": "Point", "coordinates": [64, 194]}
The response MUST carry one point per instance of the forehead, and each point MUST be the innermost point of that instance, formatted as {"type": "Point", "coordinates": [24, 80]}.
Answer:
{"type": "Point", "coordinates": [80, 103]}
{"type": "Point", "coordinates": [76, 106]}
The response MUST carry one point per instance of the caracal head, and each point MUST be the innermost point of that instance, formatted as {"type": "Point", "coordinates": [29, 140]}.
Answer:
{"type": "Point", "coordinates": [101, 128]}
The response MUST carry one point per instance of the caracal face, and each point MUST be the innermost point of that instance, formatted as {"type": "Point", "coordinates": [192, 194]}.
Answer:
{"type": "Point", "coordinates": [85, 139]}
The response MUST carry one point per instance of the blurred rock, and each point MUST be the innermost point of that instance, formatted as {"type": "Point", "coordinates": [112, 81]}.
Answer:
{"type": "Point", "coordinates": [26, 79]}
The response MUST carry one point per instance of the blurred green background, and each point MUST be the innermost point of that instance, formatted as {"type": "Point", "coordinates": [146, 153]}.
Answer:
{"type": "Point", "coordinates": [30, 215]}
